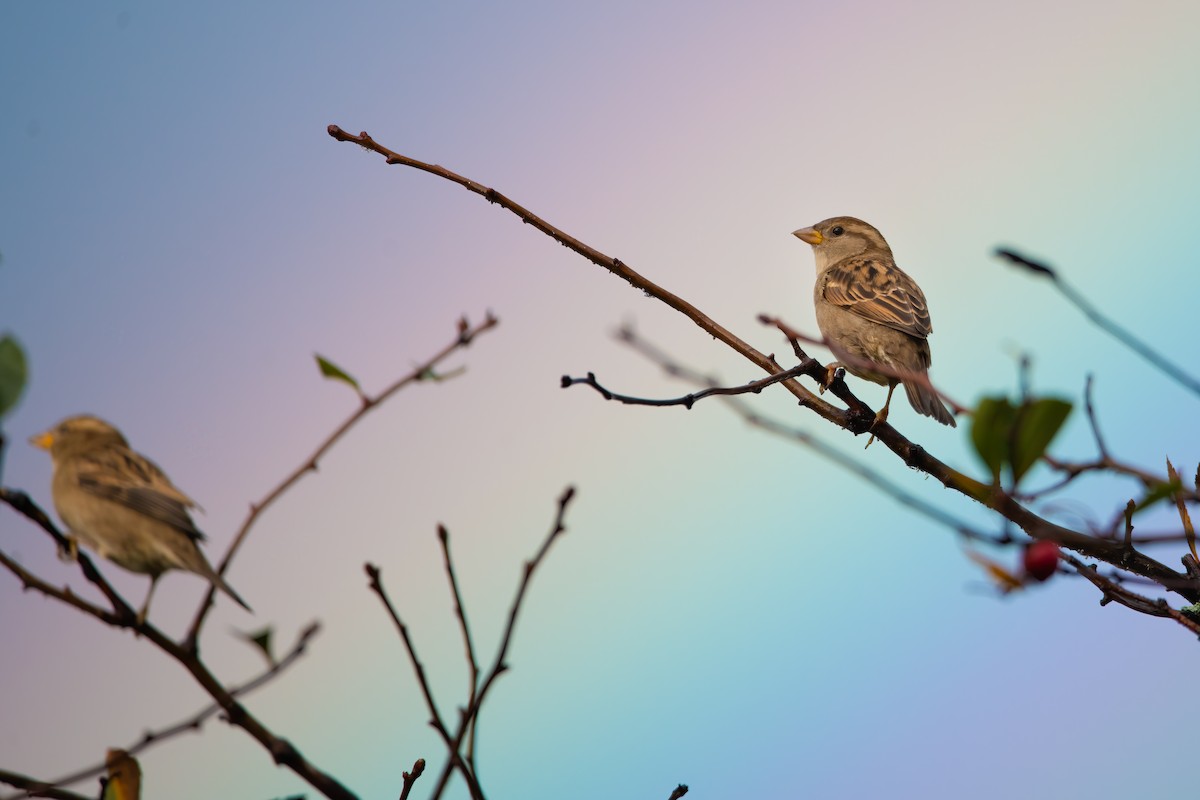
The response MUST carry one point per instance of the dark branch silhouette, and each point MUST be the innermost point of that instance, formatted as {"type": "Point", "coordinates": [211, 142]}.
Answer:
{"type": "Point", "coordinates": [688, 400]}
{"type": "Point", "coordinates": [192, 723]}
{"type": "Point", "coordinates": [186, 651]}
{"type": "Point", "coordinates": [424, 371]}
{"type": "Point", "coordinates": [856, 418]}
{"type": "Point", "coordinates": [410, 777]}
{"type": "Point", "coordinates": [1105, 323]}
{"type": "Point", "coordinates": [481, 682]}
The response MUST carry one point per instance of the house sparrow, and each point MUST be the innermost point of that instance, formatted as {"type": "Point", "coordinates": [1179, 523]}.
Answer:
{"type": "Point", "coordinates": [871, 312]}
{"type": "Point", "coordinates": [120, 504]}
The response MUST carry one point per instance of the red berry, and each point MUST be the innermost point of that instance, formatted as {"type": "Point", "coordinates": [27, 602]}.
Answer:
{"type": "Point", "coordinates": [1041, 560]}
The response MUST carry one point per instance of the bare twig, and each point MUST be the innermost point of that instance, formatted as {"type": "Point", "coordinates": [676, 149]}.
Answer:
{"type": "Point", "coordinates": [452, 744]}
{"type": "Point", "coordinates": [410, 778]}
{"type": "Point", "coordinates": [1113, 591]}
{"type": "Point", "coordinates": [192, 723]}
{"type": "Point", "coordinates": [65, 595]}
{"type": "Point", "coordinates": [280, 749]}
{"type": "Point", "coordinates": [852, 419]}
{"type": "Point", "coordinates": [185, 654]}
{"type": "Point", "coordinates": [1103, 322]}
{"type": "Point", "coordinates": [688, 400]}
{"type": "Point", "coordinates": [1090, 406]}
{"type": "Point", "coordinates": [614, 265]}
{"type": "Point", "coordinates": [675, 369]}
{"type": "Point", "coordinates": [36, 788]}
{"type": "Point", "coordinates": [470, 716]}
{"type": "Point", "coordinates": [461, 613]}
{"type": "Point", "coordinates": [423, 371]}
{"type": "Point", "coordinates": [123, 614]}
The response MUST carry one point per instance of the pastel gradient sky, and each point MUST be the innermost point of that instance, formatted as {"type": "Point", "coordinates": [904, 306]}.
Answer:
{"type": "Point", "coordinates": [728, 610]}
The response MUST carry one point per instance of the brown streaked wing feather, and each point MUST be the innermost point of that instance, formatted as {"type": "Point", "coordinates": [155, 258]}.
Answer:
{"type": "Point", "coordinates": [127, 478]}
{"type": "Point", "coordinates": [878, 290]}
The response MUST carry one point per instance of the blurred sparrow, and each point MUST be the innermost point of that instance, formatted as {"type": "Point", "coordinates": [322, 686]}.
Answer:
{"type": "Point", "coordinates": [871, 312]}
{"type": "Point", "coordinates": [120, 504]}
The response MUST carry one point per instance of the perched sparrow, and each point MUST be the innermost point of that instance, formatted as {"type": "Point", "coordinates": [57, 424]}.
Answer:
{"type": "Point", "coordinates": [871, 312]}
{"type": "Point", "coordinates": [120, 504]}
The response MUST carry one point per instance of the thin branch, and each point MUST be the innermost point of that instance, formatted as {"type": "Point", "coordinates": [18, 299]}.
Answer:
{"type": "Point", "coordinates": [1090, 406]}
{"type": "Point", "coordinates": [1104, 462]}
{"type": "Point", "coordinates": [614, 265]}
{"type": "Point", "coordinates": [688, 400]}
{"type": "Point", "coordinates": [500, 665]}
{"type": "Point", "coordinates": [424, 371]}
{"type": "Point", "coordinates": [410, 778]}
{"type": "Point", "coordinates": [470, 717]}
{"type": "Point", "coordinates": [192, 723]}
{"type": "Point", "coordinates": [35, 788]}
{"type": "Point", "coordinates": [280, 749]}
{"type": "Point", "coordinates": [123, 614]}
{"type": "Point", "coordinates": [1113, 591]}
{"type": "Point", "coordinates": [185, 654]}
{"type": "Point", "coordinates": [461, 613]}
{"type": "Point", "coordinates": [887, 487]}
{"type": "Point", "coordinates": [452, 743]}
{"type": "Point", "coordinates": [1106, 324]}
{"type": "Point", "coordinates": [65, 595]}
{"type": "Point", "coordinates": [852, 419]}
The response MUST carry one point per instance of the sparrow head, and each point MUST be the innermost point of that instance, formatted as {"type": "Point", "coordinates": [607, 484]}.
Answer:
{"type": "Point", "coordinates": [838, 238]}
{"type": "Point", "coordinates": [78, 434]}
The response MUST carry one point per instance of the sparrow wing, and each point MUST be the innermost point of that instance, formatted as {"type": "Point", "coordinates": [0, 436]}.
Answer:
{"type": "Point", "coordinates": [137, 483]}
{"type": "Point", "coordinates": [878, 290]}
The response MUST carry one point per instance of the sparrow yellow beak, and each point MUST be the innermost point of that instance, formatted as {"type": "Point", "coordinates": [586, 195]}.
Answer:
{"type": "Point", "coordinates": [42, 440]}
{"type": "Point", "coordinates": [810, 235]}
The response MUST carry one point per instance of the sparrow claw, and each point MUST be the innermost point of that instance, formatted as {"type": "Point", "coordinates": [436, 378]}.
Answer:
{"type": "Point", "coordinates": [881, 415]}
{"type": "Point", "coordinates": [70, 552]}
{"type": "Point", "coordinates": [831, 374]}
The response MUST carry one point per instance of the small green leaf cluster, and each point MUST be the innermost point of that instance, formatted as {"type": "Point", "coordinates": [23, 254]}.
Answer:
{"type": "Point", "coordinates": [1011, 437]}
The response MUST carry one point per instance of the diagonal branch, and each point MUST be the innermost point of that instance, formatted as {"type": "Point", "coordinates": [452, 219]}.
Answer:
{"type": "Point", "coordinates": [613, 265]}
{"type": "Point", "coordinates": [122, 614]}
{"type": "Point", "coordinates": [35, 788]}
{"type": "Point", "coordinates": [1113, 591]}
{"type": "Point", "coordinates": [423, 371]}
{"type": "Point", "coordinates": [185, 654]}
{"type": "Point", "coordinates": [470, 716]}
{"type": "Point", "coordinates": [688, 400]}
{"type": "Point", "coordinates": [673, 368]}
{"type": "Point", "coordinates": [452, 743]}
{"type": "Point", "coordinates": [1105, 323]}
{"type": "Point", "coordinates": [853, 419]}
{"type": "Point", "coordinates": [192, 723]}
{"type": "Point", "coordinates": [418, 768]}
{"type": "Point", "coordinates": [461, 612]}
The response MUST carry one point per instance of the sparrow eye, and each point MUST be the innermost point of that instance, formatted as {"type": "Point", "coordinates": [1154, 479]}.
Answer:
{"type": "Point", "coordinates": [837, 230]}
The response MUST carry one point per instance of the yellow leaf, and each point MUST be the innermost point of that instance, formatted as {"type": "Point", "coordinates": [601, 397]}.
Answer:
{"type": "Point", "coordinates": [1004, 580]}
{"type": "Point", "coordinates": [124, 776]}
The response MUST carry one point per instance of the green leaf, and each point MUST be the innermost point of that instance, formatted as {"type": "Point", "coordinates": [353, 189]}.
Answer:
{"type": "Point", "coordinates": [14, 373]}
{"type": "Point", "coordinates": [261, 639]}
{"type": "Point", "coordinates": [334, 372]}
{"type": "Point", "coordinates": [991, 431]}
{"type": "Point", "coordinates": [1038, 422]}
{"type": "Point", "coordinates": [1160, 491]}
